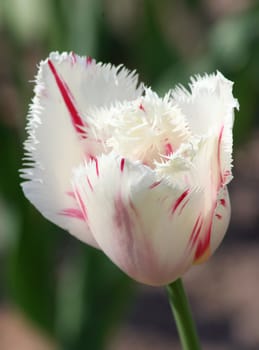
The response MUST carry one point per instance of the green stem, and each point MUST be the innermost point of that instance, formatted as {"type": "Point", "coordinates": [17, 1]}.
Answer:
{"type": "Point", "coordinates": [183, 317]}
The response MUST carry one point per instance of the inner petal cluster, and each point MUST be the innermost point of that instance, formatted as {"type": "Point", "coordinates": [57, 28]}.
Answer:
{"type": "Point", "coordinates": [149, 129]}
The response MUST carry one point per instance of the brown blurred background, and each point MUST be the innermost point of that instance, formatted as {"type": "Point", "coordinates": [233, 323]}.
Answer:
{"type": "Point", "coordinates": [56, 293]}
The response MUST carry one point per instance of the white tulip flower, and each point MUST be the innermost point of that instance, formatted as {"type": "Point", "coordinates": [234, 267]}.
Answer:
{"type": "Point", "coordinates": [142, 178]}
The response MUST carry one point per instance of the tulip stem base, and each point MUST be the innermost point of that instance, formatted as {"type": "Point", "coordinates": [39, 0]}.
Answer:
{"type": "Point", "coordinates": [182, 315]}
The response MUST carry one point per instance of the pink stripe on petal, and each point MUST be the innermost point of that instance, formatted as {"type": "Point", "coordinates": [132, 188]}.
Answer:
{"type": "Point", "coordinates": [71, 194]}
{"type": "Point", "coordinates": [89, 60]}
{"type": "Point", "coordinates": [123, 223]}
{"type": "Point", "coordinates": [68, 99]}
{"type": "Point", "coordinates": [81, 204]}
{"type": "Point", "coordinates": [90, 184]}
{"type": "Point", "coordinates": [196, 230]}
{"type": "Point", "coordinates": [154, 184]}
{"type": "Point", "coordinates": [93, 158]}
{"type": "Point", "coordinates": [168, 149]}
{"type": "Point", "coordinates": [73, 213]}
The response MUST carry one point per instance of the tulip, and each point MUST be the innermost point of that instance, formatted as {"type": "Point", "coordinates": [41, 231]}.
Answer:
{"type": "Point", "coordinates": [141, 177]}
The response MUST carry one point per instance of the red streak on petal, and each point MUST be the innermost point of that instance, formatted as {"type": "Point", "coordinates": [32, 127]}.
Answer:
{"type": "Point", "coordinates": [179, 200]}
{"type": "Point", "coordinates": [96, 164]}
{"type": "Point", "coordinates": [90, 184]}
{"type": "Point", "coordinates": [141, 107]}
{"type": "Point", "coordinates": [219, 157]}
{"type": "Point", "coordinates": [122, 164]}
{"type": "Point", "coordinates": [183, 206]}
{"type": "Point", "coordinates": [203, 246]}
{"type": "Point", "coordinates": [168, 149]}
{"type": "Point", "coordinates": [196, 230]}
{"type": "Point", "coordinates": [202, 252]}
{"type": "Point", "coordinates": [73, 213]}
{"type": "Point", "coordinates": [219, 216]}
{"type": "Point", "coordinates": [223, 202]}
{"type": "Point", "coordinates": [68, 99]}
{"type": "Point", "coordinates": [89, 60]}
{"type": "Point", "coordinates": [154, 184]}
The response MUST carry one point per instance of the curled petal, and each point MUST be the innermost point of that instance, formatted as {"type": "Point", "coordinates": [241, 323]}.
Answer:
{"type": "Point", "coordinates": [142, 224]}
{"type": "Point", "coordinates": [209, 110]}
{"type": "Point", "coordinates": [221, 219]}
{"type": "Point", "coordinates": [198, 166]}
{"type": "Point", "coordinates": [141, 177]}
{"type": "Point", "coordinates": [209, 230]}
{"type": "Point", "coordinates": [209, 104]}
{"type": "Point", "coordinates": [61, 137]}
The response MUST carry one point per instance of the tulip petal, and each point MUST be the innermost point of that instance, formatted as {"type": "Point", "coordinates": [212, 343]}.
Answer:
{"type": "Point", "coordinates": [60, 135]}
{"type": "Point", "coordinates": [143, 224]}
{"type": "Point", "coordinates": [196, 165]}
{"type": "Point", "coordinates": [209, 110]}
{"type": "Point", "coordinates": [209, 104]}
{"type": "Point", "coordinates": [221, 219]}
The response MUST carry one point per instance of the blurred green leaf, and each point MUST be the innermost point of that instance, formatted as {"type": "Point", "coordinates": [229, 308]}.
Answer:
{"type": "Point", "coordinates": [98, 296]}
{"type": "Point", "coordinates": [31, 269]}
{"type": "Point", "coordinates": [150, 49]}
{"type": "Point", "coordinates": [83, 20]}
{"type": "Point", "coordinates": [231, 37]}
{"type": "Point", "coordinates": [28, 19]}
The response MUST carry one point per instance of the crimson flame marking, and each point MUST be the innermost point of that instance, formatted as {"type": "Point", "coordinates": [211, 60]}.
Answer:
{"type": "Point", "coordinates": [122, 164]}
{"type": "Point", "coordinates": [179, 200]}
{"type": "Point", "coordinates": [223, 202]}
{"type": "Point", "coordinates": [76, 119]}
{"type": "Point", "coordinates": [196, 230]}
{"type": "Point", "coordinates": [154, 184]}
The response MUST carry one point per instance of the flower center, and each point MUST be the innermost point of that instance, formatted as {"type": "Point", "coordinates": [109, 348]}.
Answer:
{"type": "Point", "coordinates": [148, 129]}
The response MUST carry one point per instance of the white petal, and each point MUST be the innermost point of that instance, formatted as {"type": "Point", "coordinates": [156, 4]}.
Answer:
{"type": "Point", "coordinates": [60, 136]}
{"type": "Point", "coordinates": [142, 224]}
{"type": "Point", "coordinates": [209, 110]}
{"type": "Point", "coordinates": [197, 166]}
{"type": "Point", "coordinates": [209, 105]}
{"type": "Point", "coordinates": [147, 129]}
{"type": "Point", "coordinates": [194, 164]}
{"type": "Point", "coordinates": [96, 84]}
{"type": "Point", "coordinates": [209, 231]}
{"type": "Point", "coordinates": [221, 219]}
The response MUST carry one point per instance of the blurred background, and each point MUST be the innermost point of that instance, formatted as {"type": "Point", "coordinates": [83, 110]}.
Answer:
{"type": "Point", "coordinates": [55, 292]}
